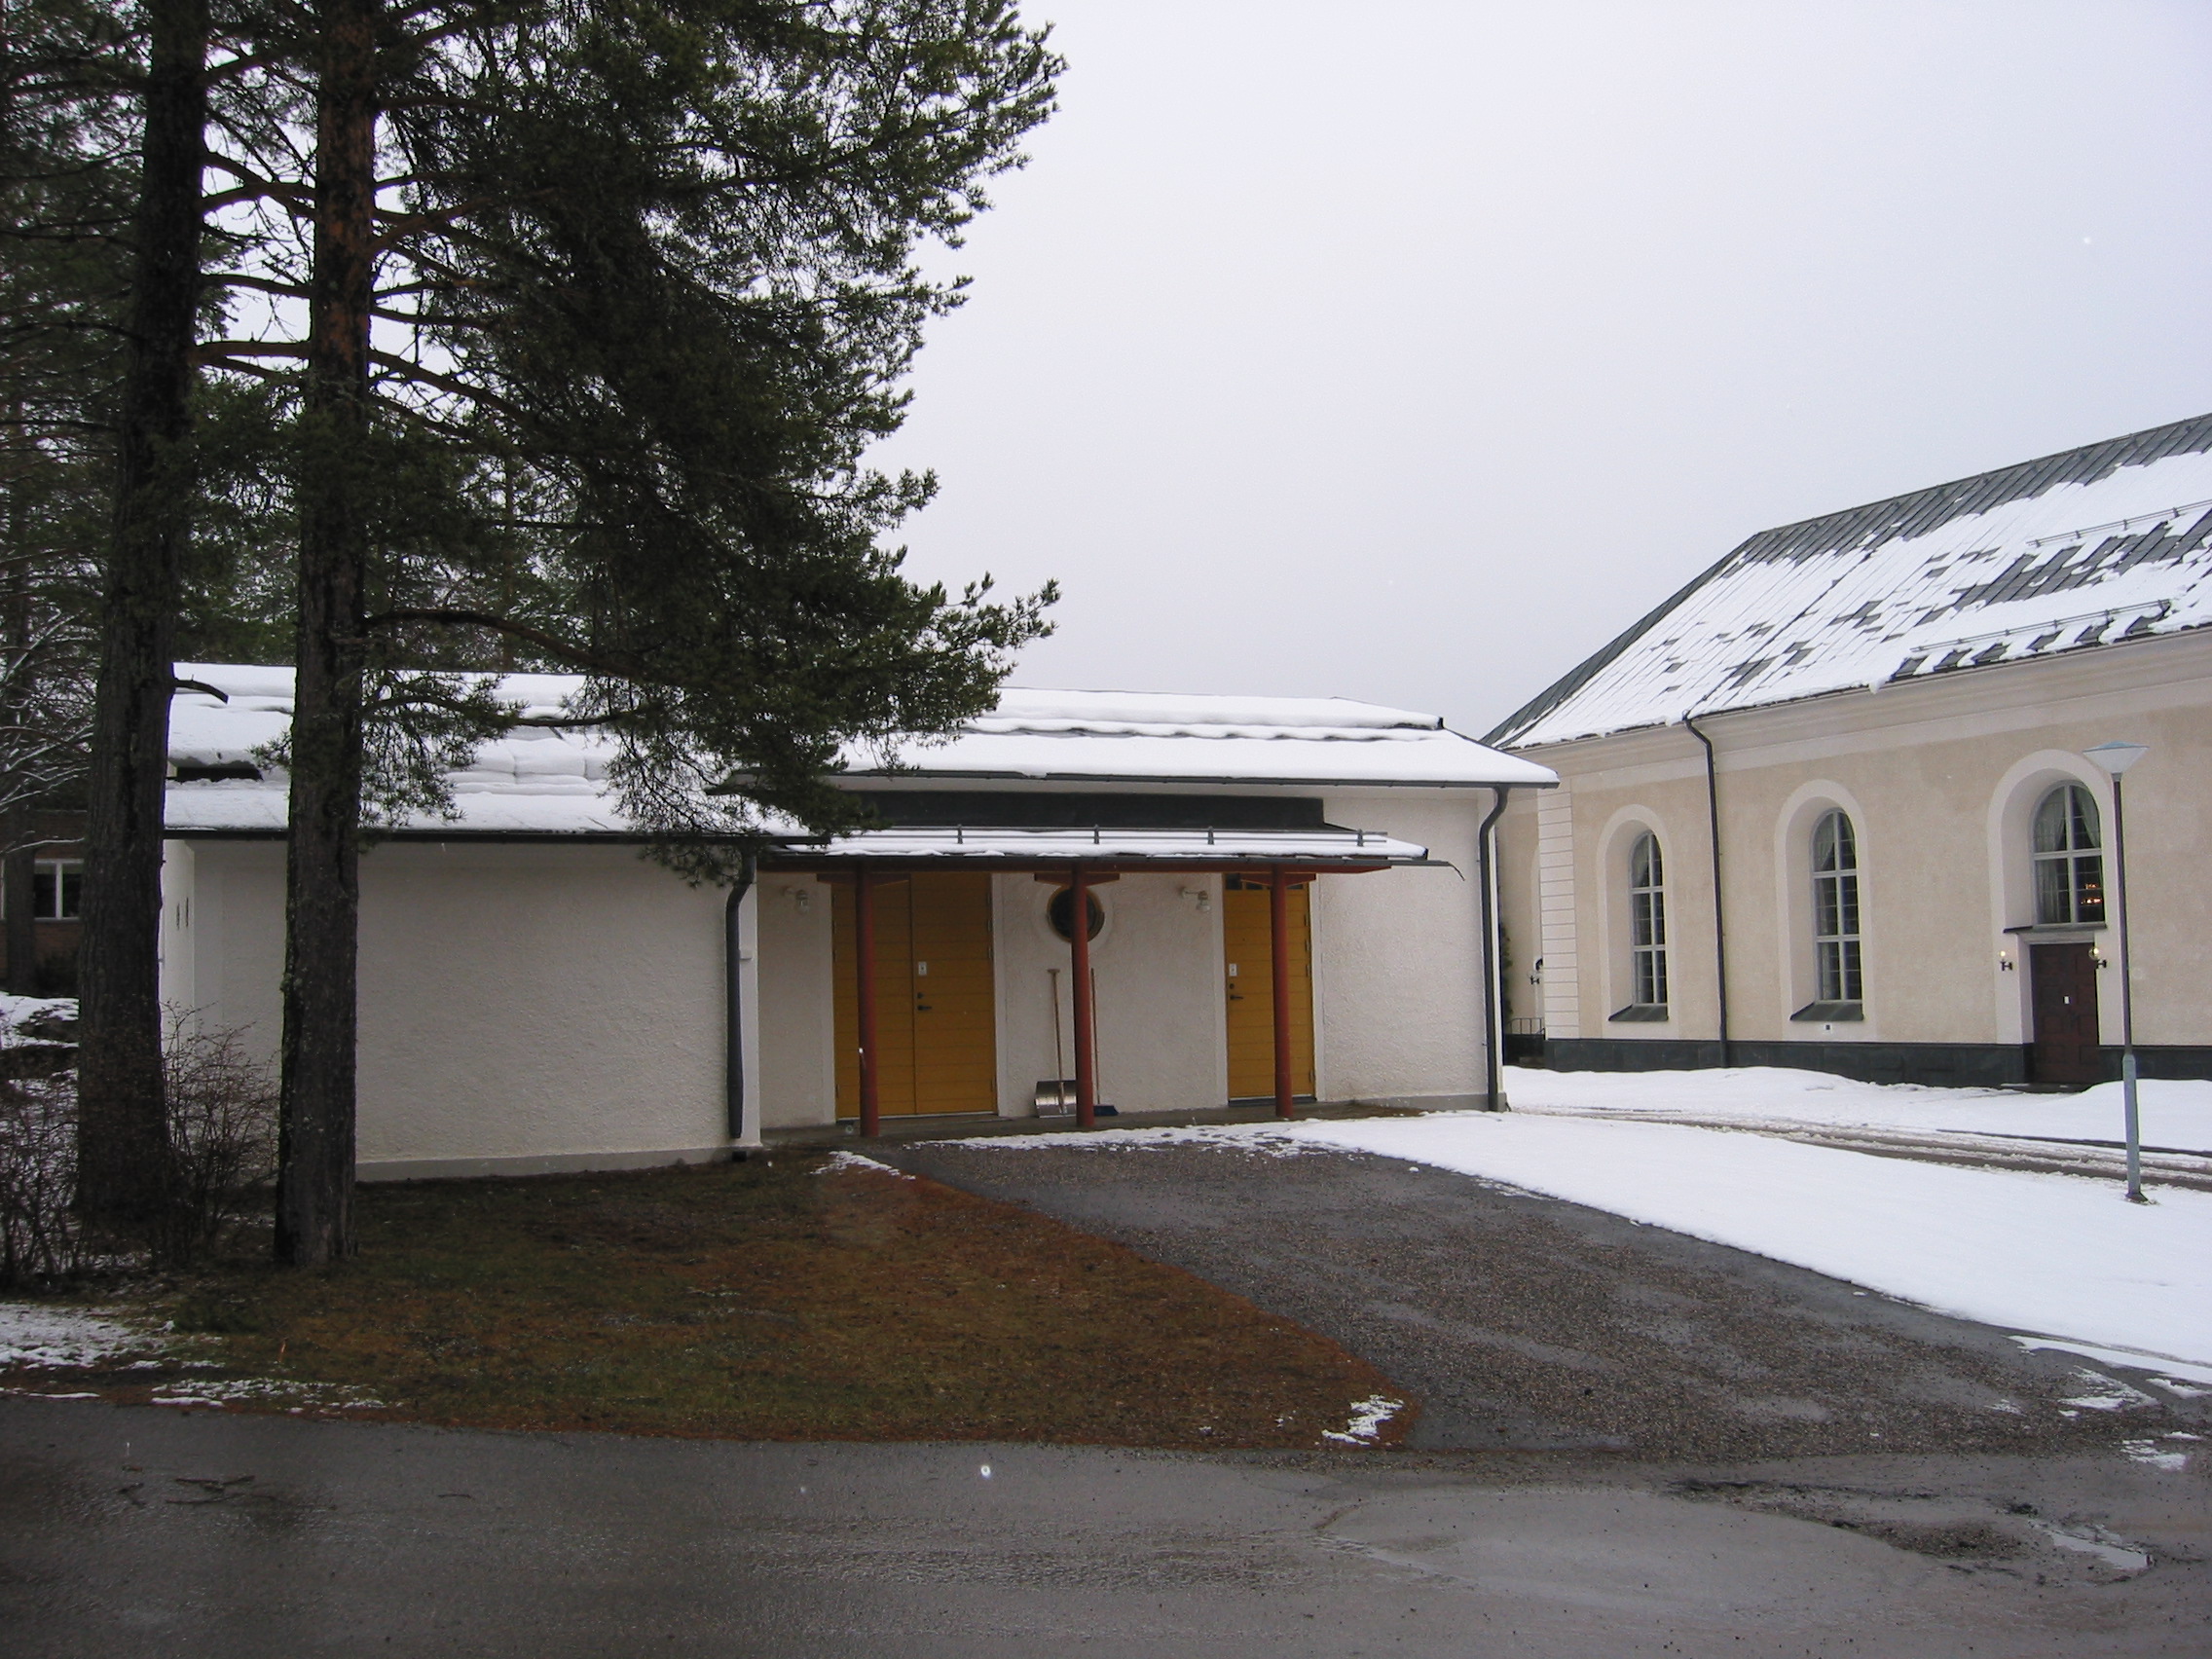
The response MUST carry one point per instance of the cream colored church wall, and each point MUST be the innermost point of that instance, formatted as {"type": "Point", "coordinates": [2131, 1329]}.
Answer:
{"type": "Point", "coordinates": [1939, 780]}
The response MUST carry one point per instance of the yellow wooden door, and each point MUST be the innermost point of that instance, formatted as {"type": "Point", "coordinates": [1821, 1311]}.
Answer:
{"type": "Point", "coordinates": [935, 1026]}
{"type": "Point", "coordinates": [1250, 988]}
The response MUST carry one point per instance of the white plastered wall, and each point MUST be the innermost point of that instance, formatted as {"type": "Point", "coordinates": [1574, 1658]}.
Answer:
{"type": "Point", "coordinates": [1161, 1032]}
{"type": "Point", "coordinates": [558, 1006]}
{"type": "Point", "coordinates": [223, 939]}
{"type": "Point", "coordinates": [522, 1009]}
{"type": "Point", "coordinates": [179, 975]}
{"type": "Point", "coordinates": [798, 1058]}
{"type": "Point", "coordinates": [1398, 988]}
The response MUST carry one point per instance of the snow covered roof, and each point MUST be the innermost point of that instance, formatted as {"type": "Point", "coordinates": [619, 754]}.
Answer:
{"type": "Point", "coordinates": [1132, 737]}
{"type": "Point", "coordinates": [2078, 551]}
{"type": "Point", "coordinates": [542, 781]}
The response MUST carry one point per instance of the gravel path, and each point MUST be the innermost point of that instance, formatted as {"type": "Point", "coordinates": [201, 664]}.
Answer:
{"type": "Point", "coordinates": [1523, 1323]}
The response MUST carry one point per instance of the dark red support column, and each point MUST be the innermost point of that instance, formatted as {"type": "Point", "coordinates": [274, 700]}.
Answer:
{"type": "Point", "coordinates": [1278, 943]}
{"type": "Point", "coordinates": [863, 956]}
{"type": "Point", "coordinates": [1079, 953]}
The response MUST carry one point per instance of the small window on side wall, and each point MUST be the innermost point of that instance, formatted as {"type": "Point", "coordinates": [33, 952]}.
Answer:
{"type": "Point", "coordinates": [1647, 931]}
{"type": "Point", "coordinates": [57, 889]}
{"type": "Point", "coordinates": [2069, 859]}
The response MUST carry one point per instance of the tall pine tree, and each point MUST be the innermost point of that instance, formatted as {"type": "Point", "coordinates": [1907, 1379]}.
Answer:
{"type": "Point", "coordinates": [604, 305]}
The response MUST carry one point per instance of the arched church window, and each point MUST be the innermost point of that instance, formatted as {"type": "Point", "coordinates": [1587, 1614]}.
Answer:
{"type": "Point", "coordinates": [2068, 857]}
{"type": "Point", "coordinates": [1647, 922]}
{"type": "Point", "coordinates": [1836, 956]}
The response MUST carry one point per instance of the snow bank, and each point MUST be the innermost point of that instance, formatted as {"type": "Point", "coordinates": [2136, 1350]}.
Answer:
{"type": "Point", "coordinates": [2175, 1114]}
{"type": "Point", "coordinates": [36, 1334]}
{"type": "Point", "coordinates": [35, 1019]}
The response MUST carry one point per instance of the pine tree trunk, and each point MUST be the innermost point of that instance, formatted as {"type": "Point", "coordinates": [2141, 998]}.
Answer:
{"type": "Point", "coordinates": [15, 892]}
{"type": "Point", "coordinates": [18, 870]}
{"type": "Point", "coordinates": [122, 1139]}
{"type": "Point", "coordinates": [314, 1203]}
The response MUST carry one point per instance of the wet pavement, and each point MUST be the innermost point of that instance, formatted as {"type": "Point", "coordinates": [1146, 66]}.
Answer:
{"type": "Point", "coordinates": [1524, 1323]}
{"type": "Point", "coordinates": [128, 1532]}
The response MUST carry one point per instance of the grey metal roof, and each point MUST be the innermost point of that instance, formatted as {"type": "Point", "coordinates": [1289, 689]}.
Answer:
{"type": "Point", "coordinates": [2073, 551]}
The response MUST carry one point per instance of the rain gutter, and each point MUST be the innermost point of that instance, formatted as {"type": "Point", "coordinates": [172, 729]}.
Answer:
{"type": "Point", "coordinates": [1486, 865]}
{"type": "Point", "coordinates": [733, 997]}
{"type": "Point", "coordinates": [1719, 911]}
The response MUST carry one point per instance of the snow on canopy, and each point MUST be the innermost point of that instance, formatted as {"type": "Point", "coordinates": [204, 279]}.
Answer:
{"type": "Point", "coordinates": [2078, 551]}
{"type": "Point", "coordinates": [539, 780]}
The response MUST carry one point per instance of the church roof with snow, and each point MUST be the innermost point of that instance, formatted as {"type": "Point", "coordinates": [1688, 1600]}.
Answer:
{"type": "Point", "coordinates": [2079, 551]}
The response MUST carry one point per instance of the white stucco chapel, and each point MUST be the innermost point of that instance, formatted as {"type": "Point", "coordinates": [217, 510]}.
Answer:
{"type": "Point", "coordinates": [1088, 904]}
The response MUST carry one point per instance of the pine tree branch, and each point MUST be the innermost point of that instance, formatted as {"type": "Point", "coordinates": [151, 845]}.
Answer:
{"type": "Point", "coordinates": [552, 644]}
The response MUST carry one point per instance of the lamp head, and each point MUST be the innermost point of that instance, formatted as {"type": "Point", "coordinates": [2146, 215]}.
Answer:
{"type": "Point", "coordinates": [2116, 756]}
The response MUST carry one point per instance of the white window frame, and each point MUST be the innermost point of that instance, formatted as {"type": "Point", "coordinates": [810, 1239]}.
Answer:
{"type": "Point", "coordinates": [1839, 958]}
{"type": "Point", "coordinates": [2084, 901]}
{"type": "Point", "coordinates": [59, 872]}
{"type": "Point", "coordinates": [1647, 924]}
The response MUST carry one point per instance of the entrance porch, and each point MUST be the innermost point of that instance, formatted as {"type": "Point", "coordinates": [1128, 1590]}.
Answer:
{"type": "Point", "coordinates": [959, 981]}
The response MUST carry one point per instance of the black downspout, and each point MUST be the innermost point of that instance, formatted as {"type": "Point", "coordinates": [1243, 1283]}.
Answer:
{"type": "Point", "coordinates": [1494, 1080]}
{"type": "Point", "coordinates": [733, 997]}
{"type": "Point", "coordinates": [1719, 913]}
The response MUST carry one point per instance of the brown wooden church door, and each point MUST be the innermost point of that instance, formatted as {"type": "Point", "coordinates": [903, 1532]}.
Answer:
{"type": "Point", "coordinates": [2065, 1000]}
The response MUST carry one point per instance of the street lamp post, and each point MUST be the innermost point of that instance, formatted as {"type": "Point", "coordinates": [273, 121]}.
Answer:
{"type": "Point", "coordinates": [2116, 758]}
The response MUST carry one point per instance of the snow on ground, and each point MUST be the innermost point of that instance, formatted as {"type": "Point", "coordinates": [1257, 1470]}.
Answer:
{"type": "Point", "coordinates": [42, 1334]}
{"type": "Point", "coordinates": [2174, 1114]}
{"type": "Point", "coordinates": [2058, 1255]}
{"type": "Point", "coordinates": [2063, 1258]}
{"type": "Point", "coordinates": [18, 1012]}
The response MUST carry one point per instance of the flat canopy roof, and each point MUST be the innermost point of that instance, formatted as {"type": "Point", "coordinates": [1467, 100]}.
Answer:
{"type": "Point", "coordinates": [1025, 849]}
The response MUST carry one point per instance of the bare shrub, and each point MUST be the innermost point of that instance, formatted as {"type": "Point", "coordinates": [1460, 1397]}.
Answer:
{"type": "Point", "coordinates": [222, 1116]}
{"type": "Point", "coordinates": [222, 1106]}
{"type": "Point", "coordinates": [40, 1239]}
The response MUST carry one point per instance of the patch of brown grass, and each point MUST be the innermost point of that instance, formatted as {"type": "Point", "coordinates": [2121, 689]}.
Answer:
{"type": "Point", "coordinates": [772, 1300]}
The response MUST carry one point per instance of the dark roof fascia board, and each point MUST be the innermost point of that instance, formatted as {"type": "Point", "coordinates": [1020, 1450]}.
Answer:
{"type": "Point", "coordinates": [1218, 782]}
{"type": "Point", "coordinates": [520, 837]}
{"type": "Point", "coordinates": [1122, 864]}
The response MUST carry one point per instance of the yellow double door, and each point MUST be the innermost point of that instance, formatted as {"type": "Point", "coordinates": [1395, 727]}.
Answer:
{"type": "Point", "coordinates": [937, 1047]}
{"type": "Point", "coordinates": [935, 1023]}
{"type": "Point", "coordinates": [1248, 944]}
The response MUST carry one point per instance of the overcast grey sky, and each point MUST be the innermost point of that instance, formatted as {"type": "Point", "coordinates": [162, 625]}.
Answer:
{"type": "Point", "coordinates": [1410, 352]}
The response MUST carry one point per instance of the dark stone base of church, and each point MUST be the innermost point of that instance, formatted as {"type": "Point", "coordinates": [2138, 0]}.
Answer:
{"type": "Point", "coordinates": [1955, 1065]}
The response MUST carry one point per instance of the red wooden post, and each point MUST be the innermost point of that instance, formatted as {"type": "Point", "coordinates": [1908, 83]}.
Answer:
{"type": "Point", "coordinates": [1278, 941]}
{"type": "Point", "coordinates": [1078, 950]}
{"type": "Point", "coordinates": [864, 954]}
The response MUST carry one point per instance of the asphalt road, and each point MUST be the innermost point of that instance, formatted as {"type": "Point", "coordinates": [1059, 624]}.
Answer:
{"type": "Point", "coordinates": [1524, 1323]}
{"type": "Point", "coordinates": [129, 1532]}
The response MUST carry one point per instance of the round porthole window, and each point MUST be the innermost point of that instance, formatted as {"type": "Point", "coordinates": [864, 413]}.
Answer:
{"type": "Point", "coordinates": [1061, 913]}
